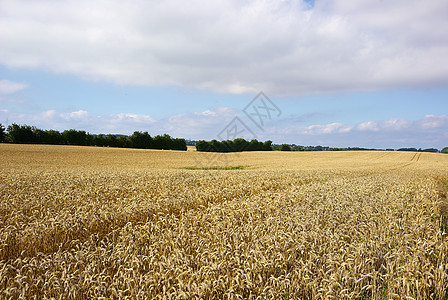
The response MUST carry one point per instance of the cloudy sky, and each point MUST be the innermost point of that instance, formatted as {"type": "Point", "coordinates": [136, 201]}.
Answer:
{"type": "Point", "coordinates": [369, 73]}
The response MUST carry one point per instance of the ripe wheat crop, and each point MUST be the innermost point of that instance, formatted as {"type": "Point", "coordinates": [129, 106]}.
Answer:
{"type": "Point", "coordinates": [83, 223]}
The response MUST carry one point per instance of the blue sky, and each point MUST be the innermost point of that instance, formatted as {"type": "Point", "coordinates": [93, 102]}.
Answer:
{"type": "Point", "coordinates": [342, 73]}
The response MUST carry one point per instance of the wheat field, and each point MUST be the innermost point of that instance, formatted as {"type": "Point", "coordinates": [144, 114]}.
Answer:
{"type": "Point", "coordinates": [105, 223]}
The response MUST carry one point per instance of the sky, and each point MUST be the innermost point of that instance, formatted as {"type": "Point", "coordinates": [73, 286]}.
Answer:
{"type": "Point", "coordinates": [340, 73]}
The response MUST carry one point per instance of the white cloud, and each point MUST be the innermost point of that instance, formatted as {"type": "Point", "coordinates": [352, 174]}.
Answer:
{"type": "Point", "coordinates": [11, 87]}
{"type": "Point", "coordinates": [76, 115]}
{"type": "Point", "coordinates": [368, 126]}
{"type": "Point", "coordinates": [124, 123]}
{"type": "Point", "coordinates": [429, 131]}
{"type": "Point", "coordinates": [327, 129]}
{"type": "Point", "coordinates": [206, 113]}
{"type": "Point", "coordinates": [396, 124]}
{"type": "Point", "coordinates": [280, 47]}
{"type": "Point", "coordinates": [392, 125]}
{"type": "Point", "coordinates": [432, 121]}
{"type": "Point", "coordinates": [135, 118]}
{"type": "Point", "coordinates": [206, 124]}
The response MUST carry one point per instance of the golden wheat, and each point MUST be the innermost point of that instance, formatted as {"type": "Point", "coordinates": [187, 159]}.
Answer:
{"type": "Point", "coordinates": [82, 223]}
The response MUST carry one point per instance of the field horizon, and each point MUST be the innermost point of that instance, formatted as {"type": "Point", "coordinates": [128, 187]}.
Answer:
{"type": "Point", "coordinates": [85, 156]}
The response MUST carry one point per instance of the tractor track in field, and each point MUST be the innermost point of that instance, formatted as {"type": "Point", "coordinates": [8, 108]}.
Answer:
{"type": "Point", "coordinates": [415, 158]}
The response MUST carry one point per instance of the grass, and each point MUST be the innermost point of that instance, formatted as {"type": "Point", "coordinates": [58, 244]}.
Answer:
{"type": "Point", "coordinates": [218, 168]}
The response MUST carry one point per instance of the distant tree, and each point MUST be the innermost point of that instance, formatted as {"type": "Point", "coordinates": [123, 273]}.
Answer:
{"type": "Point", "coordinates": [337, 149]}
{"type": "Point", "coordinates": [147, 140]}
{"type": "Point", "coordinates": [297, 148]}
{"type": "Point", "coordinates": [179, 144]}
{"type": "Point", "coordinates": [236, 145]}
{"type": "Point", "coordinates": [433, 150]}
{"type": "Point", "coordinates": [267, 146]}
{"type": "Point", "coordinates": [445, 150]}
{"type": "Point", "coordinates": [201, 145]}
{"type": "Point", "coordinates": [41, 136]}
{"type": "Point", "coordinates": [89, 139]}
{"type": "Point", "coordinates": [21, 134]}
{"type": "Point", "coordinates": [240, 145]}
{"type": "Point", "coordinates": [123, 141]}
{"type": "Point", "coordinates": [111, 140]}
{"type": "Point", "coordinates": [408, 149]}
{"type": "Point", "coordinates": [253, 145]}
{"type": "Point", "coordinates": [75, 137]}
{"type": "Point", "coordinates": [141, 140]}
{"type": "Point", "coordinates": [27, 134]}
{"type": "Point", "coordinates": [53, 137]}
{"type": "Point", "coordinates": [2, 133]}
{"type": "Point", "coordinates": [99, 140]}
{"type": "Point", "coordinates": [227, 146]}
{"type": "Point", "coordinates": [215, 146]}
{"type": "Point", "coordinates": [285, 147]}
{"type": "Point", "coordinates": [162, 142]}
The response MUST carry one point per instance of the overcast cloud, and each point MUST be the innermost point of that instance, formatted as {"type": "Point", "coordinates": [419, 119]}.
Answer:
{"type": "Point", "coordinates": [280, 47]}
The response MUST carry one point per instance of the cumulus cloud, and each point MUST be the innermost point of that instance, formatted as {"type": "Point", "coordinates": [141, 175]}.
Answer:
{"type": "Point", "coordinates": [429, 131]}
{"type": "Point", "coordinates": [9, 90]}
{"type": "Point", "coordinates": [76, 115]}
{"type": "Point", "coordinates": [123, 123]}
{"type": "Point", "coordinates": [327, 129]}
{"type": "Point", "coordinates": [280, 47]}
{"type": "Point", "coordinates": [11, 87]}
{"type": "Point", "coordinates": [205, 124]}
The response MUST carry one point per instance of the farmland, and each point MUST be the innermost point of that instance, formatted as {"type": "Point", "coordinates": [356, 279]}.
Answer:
{"type": "Point", "coordinates": [87, 222]}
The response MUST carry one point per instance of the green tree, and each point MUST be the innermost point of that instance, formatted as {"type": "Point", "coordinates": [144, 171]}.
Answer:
{"type": "Point", "coordinates": [75, 137]}
{"type": "Point", "coordinates": [112, 140]}
{"type": "Point", "coordinates": [141, 140]}
{"type": "Point", "coordinates": [163, 142]}
{"type": "Point", "coordinates": [215, 146]}
{"type": "Point", "coordinates": [445, 150]}
{"type": "Point", "coordinates": [53, 137]}
{"type": "Point", "coordinates": [267, 146]}
{"type": "Point", "coordinates": [179, 144]}
{"type": "Point", "coordinates": [297, 148]}
{"type": "Point", "coordinates": [285, 147]}
{"type": "Point", "coordinates": [433, 150]}
{"type": "Point", "coordinates": [99, 140]}
{"type": "Point", "coordinates": [123, 141]}
{"type": "Point", "coordinates": [254, 145]}
{"type": "Point", "coordinates": [21, 134]}
{"type": "Point", "coordinates": [240, 145]}
{"type": "Point", "coordinates": [237, 145]}
{"type": "Point", "coordinates": [2, 133]}
{"type": "Point", "coordinates": [201, 145]}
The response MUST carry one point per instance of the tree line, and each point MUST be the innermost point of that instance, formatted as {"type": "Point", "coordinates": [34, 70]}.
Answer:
{"type": "Point", "coordinates": [433, 150]}
{"type": "Point", "coordinates": [237, 145]}
{"type": "Point", "coordinates": [293, 147]}
{"type": "Point", "coordinates": [25, 134]}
